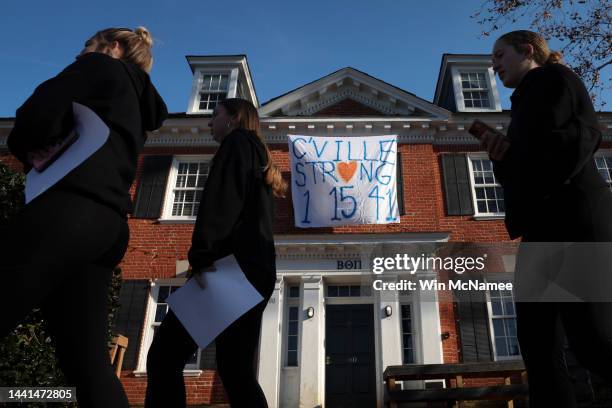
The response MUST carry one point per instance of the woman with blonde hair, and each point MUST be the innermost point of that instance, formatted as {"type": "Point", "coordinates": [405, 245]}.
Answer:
{"type": "Point", "coordinates": [235, 216]}
{"type": "Point", "coordinates": [65, 243]}
{"type": "Point", "coordinates": [554, 195]}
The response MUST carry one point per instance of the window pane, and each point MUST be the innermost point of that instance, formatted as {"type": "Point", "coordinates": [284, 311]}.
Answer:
{"type": "Point", "coordinates": [406, 311]}
{"type": "Point", "coordinates": [501, 347]}
{"type": "Point", "coordinates": [498, 327]}
{"type": "Point", "coordinates": [513, 346]}
{"type": "Point", "coordinates": [292, 345]}
{"type": "Point", "coordinates": [511, 327]}
{"type": "Point", "coordinates": [332, 291]}
{"type": "Point", "coordinates": [408, 356]}
{"type": "Point", "coordinates": [407, 325]}
{"type": "Point", "coordinates": [355, 291]}
{"type": "Point", "coordinates": [343, 291]}
{"type": "Point", "coordinates": [292, 358]}
{"type": "Point", "coordinates": [407, 340]}
{"type": "Point", "coordinates": [496, 306]}
{"type": "Point", "coordinates": [223, 84]}
{"type": "Point", "coordinates": [294, 291]}
{"type": "Point", "coordinates": [206, 82]}
{"type": "Point", "coordinates": [293, 313]}
{"type": "Point", "coordinates": [293, 327]}
{"type": "Point", "coordinates": [160, 313]}
{"type": "Point", "coordinates": [509, 307]}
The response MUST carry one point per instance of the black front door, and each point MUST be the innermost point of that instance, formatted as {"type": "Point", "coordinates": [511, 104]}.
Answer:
{"type": "Point", "coordinates": [350, 376]}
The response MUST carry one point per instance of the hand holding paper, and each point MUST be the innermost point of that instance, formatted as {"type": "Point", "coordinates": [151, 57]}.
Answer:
{"type": "Point", "coordinates": [206, 312]}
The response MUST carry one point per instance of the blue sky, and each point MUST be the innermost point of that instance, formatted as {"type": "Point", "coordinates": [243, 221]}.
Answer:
{"type": "Point", "coordinates": [287, 43]}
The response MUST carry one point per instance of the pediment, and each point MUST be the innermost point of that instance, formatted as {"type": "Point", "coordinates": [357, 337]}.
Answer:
{"type": "Point", "coordinates": [349, 92]}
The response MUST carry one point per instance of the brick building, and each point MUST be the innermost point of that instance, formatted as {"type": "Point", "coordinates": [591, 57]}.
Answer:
{"type": "Point", "coordinates": [446, 193]}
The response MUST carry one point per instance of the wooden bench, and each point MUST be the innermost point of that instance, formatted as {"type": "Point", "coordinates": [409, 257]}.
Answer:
{"type": "Point", "coordinates": [458, 372]}
{"type": "Point", "coordinates": [116, 350]}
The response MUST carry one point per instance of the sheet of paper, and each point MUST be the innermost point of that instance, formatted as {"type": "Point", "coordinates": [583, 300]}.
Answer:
{"type": "Point", "coordinates": [93, 133]}
{"type": "Point", "coordinates": [205, 313]}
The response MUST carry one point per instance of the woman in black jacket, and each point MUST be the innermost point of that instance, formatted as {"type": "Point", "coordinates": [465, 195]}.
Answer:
{"type": "Point", "coordinates": [553, 193]}
{"type": "Point", "coordinates": [235, 216]}
{"type": "Point", "coordinates": [63, 246]}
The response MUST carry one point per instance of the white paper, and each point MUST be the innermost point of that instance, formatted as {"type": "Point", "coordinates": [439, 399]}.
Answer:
{"type": "Point", "coordinates": [205, 313]}
{"type": "Point", "coordinates": [93, 133]}
{"type": "Point", "coordinates": [343, 180]}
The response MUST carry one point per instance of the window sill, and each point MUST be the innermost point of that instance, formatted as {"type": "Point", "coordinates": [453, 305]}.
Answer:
{"type": "Point", "coordinates": [509, 358]}
{"type": "Point", "coordinates": [176, 221]}
{"type": "Point", "coordinates": [489, 217]}
{"type": "Point", "coordinates": [186, 373]}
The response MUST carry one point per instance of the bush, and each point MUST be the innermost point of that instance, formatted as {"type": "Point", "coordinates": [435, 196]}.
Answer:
{"type": "Point", "coordinates": [28, 355]}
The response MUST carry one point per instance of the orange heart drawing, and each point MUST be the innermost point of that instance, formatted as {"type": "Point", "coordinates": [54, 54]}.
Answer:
{"type": "Point", "coordinates": [347, 170]}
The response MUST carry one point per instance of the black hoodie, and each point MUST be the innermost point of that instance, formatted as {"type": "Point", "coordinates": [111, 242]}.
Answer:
{"type": "Point", "coordinates": [552, 188]}
{"type": "Point", "coordinates": [236, 212]}
{"type": "Point", "coordinates": [122, 95]}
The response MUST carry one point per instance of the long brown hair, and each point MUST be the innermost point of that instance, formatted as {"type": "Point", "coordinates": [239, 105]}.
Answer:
{"type": "Point", "coordinates": [542, 55]}
{"type": "Point", "coordinates": [244, 115]}
{"type": "Point", "coordinates": [136, 44]}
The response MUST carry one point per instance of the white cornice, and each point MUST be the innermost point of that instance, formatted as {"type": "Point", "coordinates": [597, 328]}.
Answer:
{"type": "Point", "coordinates": [194, 132]}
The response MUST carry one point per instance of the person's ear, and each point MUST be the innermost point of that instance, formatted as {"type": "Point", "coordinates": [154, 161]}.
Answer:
{"type": "Point", "coordinates": [528, 51]}
{"type": "Point", "coordinates": [115, 49]}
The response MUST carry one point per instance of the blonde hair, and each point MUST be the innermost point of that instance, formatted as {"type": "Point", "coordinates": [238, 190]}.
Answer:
{"type": "Point", "coordinates": [136, 44]}
{"type": "Point", "coordinates": [542, 55]}
{"type": "Point", "coordinates": [245, 116]}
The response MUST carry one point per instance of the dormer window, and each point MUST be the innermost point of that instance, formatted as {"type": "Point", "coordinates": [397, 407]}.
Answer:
{"type": "Point", "coordinates": [216, 78]}
{"type": "Point", "coordinates": [214, 89]}
{"type": "Point", "coordinates": [474, 86]}
{"type": "Point", "coordinates": [467, 84]}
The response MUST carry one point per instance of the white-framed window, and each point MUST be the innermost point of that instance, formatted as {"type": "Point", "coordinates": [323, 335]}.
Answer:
{"type": "Point", "coordinates": [408, 352]}
{"type": "Point", "coordinates": [475, 89]}
{"type": "Point", "coordinates": [213, 89]}
{"type": "Point", "coordinates": [502, 320]}
{"type": "Point", "coordinates": [157, 309]}
{"type": "Point", "coordinates": [292, 319]}
{"type": "Point", "coordinates": [186, 182]}
{"type": "Point", "coordinates": [487, 193]}
{"type": "Point", "coordinates": [603, 161]}
{"type": "Point", "coordinates": [348, 290]}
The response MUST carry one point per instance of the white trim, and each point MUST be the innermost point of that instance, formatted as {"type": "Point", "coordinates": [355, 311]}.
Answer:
{"type": "Point", "coordinates": [502, 277]}
{"type": "Point", "coordinates": [478, 215]}
{"type": "Point", "coordinates": [226, 62]}
{"type": "Point", "coordinates": [494, 100]}
{"type": "Point", "coordinates": [196, 88]}
{"type": "Point", "coordinates": [166, 214]}
{"type": "Point", "coordinates": [290, 302]}
{"type": "Point", "coordinates": [481, 60]}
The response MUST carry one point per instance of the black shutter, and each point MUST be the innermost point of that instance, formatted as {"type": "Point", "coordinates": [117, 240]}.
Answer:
{"type": "Point", "coordinates": [152, 186]}
{"type": "Point", "coordinates": [457, 188]}
{"type": "Point", "coordinates": [473, 326]}
{"type": "Point", "coordinates": [130, 319]}
{"type": "Point", "coordinates": [400, 184]}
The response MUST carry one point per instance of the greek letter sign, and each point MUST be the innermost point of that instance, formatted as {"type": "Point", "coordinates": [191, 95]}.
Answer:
{"type": "Point", "coordinates": [343, 180]}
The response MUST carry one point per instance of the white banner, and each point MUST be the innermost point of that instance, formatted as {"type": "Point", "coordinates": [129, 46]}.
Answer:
{"type": "Point", "coordinates": [343, 180]}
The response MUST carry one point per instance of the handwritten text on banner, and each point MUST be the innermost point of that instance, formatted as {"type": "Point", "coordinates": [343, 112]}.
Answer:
{"type": "Point", "coordinates": [343, 180]}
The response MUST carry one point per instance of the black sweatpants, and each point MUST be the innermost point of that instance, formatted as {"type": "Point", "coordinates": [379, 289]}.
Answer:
{"type": "Point", "coordinates": [540, 328]}
{"type": "Point", "coordinates": [236, 349]}
{"type": "Point", "coordinates": [58, 254]}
